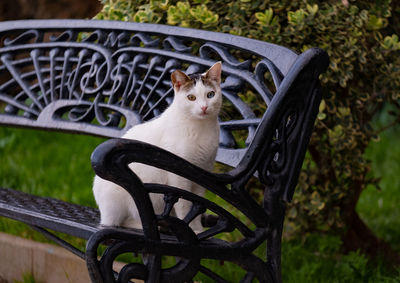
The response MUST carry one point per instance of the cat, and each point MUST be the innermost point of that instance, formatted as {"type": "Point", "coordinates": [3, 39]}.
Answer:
{"type": "Point", "coordinates": [188, 128]}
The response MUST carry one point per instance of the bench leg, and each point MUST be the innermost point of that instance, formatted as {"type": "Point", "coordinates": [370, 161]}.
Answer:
{"type": "Point", "coordinates": [275, 207]}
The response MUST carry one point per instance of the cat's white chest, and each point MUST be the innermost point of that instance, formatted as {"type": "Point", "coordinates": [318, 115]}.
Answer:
{"type": "Point", "coordinates": [196, 144]}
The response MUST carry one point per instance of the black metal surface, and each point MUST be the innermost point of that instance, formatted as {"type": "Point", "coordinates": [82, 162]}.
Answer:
{"type": "Point", "coordinates": [102, 77]}
{"type": "Point", "coordinates": [79, 221]}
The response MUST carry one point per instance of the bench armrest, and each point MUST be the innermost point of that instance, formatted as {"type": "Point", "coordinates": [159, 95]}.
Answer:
{"type": "Point", "coordinates": [110, 161]}
{"type": "Point", "coordinates": [118, 152]}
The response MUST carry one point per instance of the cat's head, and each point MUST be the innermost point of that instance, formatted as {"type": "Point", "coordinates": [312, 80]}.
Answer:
{"type": "Point", "coordinates": [198, 96]}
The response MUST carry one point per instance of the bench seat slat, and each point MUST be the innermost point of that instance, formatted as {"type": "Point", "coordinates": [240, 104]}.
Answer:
{"type": "Point", "coordinates": [57, 215]}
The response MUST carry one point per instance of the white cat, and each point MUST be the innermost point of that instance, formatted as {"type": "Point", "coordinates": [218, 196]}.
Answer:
{"type": "Point", "coordinates": [188, 128]}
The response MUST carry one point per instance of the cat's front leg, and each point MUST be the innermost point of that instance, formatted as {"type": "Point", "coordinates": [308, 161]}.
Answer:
{"type": "Point", "coordinates": [183, 207]}
{"type": "Point", "coordinates": [113, 202]}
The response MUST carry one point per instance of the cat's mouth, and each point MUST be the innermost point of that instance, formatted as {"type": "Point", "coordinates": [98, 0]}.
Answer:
{"type": "Point", "coordinates": [204, 114]}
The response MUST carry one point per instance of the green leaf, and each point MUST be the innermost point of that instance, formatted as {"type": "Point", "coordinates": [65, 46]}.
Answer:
{"type": "Point", "coordinates": [297, 17]}
{"type": "Point", "coordinates": [312, 10]}
{"type": "Point", "coordinates": [322, 106]}
{"type": "Point", "coordinates": [375, 23]}
{"type": "Point", "coordinates": [267, 18]}
{"type": "Point", "coordinates": [321, 116]}
{"type": "Point", "coordinates": [391, 42]}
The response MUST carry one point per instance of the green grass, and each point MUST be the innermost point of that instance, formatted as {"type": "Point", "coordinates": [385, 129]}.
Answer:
{"type": "Point", "coordinates": [46, 164]}
{"type": "Point", "coordinates": [380, 208]}
{"type": "Point", "coordinates": [319, 259]}
{"type": "Point", "coordinates": [58, 165]}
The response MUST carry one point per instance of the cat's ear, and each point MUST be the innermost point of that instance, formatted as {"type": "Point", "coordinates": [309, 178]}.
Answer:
{"type": "Point", "coordinates": [214, 73]}
{"type": "Point", "coordinates": [179, 79]}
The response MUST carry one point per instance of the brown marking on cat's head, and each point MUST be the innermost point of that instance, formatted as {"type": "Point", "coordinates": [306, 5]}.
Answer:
{"type": "Point", "coordinates": [181, 81]}
{"type": "Point", "coordinates": [211, 78]}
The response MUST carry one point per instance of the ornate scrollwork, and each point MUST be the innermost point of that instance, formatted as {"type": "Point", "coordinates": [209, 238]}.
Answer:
{"type": "Point", "coordinates": [100, 68]}
{"type": "Point", "coordinates": [173, 43]}
{"type": "Point", "coordinates": [177, 239]}
{"type": "Point", "coordinates": [151, 250]}
{"type": "Point", "coordinates": [279, 166]}
{"type": "Point", "coordinates": [68, 35]}
{"type": "Point", "coordinates": [24, 37]}
{"type": "Point", "coordinates": [223, 53]}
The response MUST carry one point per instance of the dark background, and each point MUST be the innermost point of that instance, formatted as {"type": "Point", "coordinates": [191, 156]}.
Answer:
{"type": "Point", "coordinates": [46, 9]}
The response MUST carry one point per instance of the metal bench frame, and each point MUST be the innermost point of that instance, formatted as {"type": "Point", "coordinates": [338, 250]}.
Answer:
{"type": "Point", "coordinates": [103, 77]}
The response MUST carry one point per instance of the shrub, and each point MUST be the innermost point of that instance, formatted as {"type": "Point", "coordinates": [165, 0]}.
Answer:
{"type": "Point", "coordinates": [361, 38]}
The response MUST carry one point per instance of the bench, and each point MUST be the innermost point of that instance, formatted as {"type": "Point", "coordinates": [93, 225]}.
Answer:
{"type": "Point", "coordinates": [103, 77]}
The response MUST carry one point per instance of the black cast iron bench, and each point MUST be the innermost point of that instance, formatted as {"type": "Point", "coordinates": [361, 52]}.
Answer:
{"type": "Point", "coordinates": [102, 77]}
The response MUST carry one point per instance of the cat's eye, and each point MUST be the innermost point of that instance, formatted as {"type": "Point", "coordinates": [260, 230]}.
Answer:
{"type": "Point", "coordinates": [210, 94]}
{"type": "Point", "coordinates": [191, 97]}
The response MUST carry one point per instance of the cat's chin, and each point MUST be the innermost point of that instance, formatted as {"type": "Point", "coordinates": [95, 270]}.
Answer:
{"type": "Point", "coordinates": [203, 116]}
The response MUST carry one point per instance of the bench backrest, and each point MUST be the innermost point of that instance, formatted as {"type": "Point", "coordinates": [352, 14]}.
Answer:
{"type": "Point", "coordinates": [103, 77]}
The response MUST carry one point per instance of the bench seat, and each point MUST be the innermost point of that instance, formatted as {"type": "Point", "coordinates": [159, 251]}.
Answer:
{"type": "Point", "coordinates": [49, 213]}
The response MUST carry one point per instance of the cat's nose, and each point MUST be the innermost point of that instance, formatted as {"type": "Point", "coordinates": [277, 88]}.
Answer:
{"type": "Point", "coordinates": [204, 108]}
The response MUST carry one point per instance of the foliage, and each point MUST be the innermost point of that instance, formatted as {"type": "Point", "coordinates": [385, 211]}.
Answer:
{"type": "Point", "coordinates": [361, 38]}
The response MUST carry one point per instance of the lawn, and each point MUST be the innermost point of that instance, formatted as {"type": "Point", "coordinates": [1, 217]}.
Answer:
{"type": "Point", "coordinates": [46, 164]}
{"type": "Point", "coordinates": [58, 165]}
{"type": "Point", "coordinates": [380, 208]}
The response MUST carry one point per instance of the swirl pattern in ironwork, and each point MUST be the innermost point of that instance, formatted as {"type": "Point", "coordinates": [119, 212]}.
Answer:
{"type": "Point", "coordinates": [108, 80]}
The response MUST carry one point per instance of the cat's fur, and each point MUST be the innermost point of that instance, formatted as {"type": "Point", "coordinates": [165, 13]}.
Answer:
{"type": "Point", "coordinates": [188, 128]}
